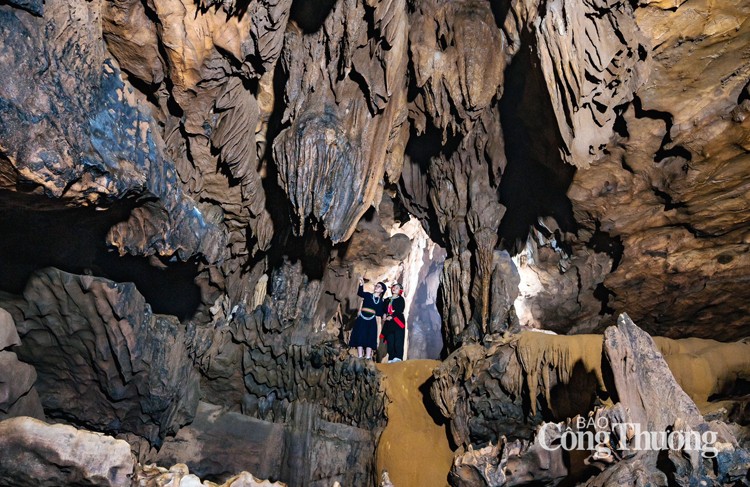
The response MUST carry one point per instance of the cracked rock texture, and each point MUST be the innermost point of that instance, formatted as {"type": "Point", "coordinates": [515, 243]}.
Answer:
{"type": "Point", "coordinates": [18, 397]}
{"type": "Point", "coordinates": [102, 357]}
{"type": "Point", "coordinates": [189, 190]}
{"type": "Point", "coordinates": [37, 453]}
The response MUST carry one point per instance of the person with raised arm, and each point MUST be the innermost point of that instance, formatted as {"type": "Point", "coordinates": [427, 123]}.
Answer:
{"type": "Point", "coordinates": [365, 332]}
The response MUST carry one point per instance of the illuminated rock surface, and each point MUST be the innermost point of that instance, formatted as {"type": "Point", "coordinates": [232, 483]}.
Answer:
{"type": "Point", "coordinates": [190, 190]}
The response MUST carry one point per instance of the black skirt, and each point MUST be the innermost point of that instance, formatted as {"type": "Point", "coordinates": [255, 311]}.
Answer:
{"type": "Point", "coordinates": [365, 333]}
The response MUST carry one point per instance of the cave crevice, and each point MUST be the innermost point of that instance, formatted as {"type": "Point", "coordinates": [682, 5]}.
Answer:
{"type": "Point", "coordinates": [536, 179]}
{"type": "Point", "coordinates": [74, 240]}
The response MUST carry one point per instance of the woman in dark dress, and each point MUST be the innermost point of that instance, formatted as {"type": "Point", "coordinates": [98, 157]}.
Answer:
{"type": "Point", "coordinates": [394, 328]}
{"type": "Point", "coordinates": [365, 332]}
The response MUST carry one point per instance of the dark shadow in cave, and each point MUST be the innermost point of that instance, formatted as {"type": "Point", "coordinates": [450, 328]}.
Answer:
{"type": "Point", "coordinates": [663, 152]}
{"type": "Point", "coordinates": [744, 94]}
{"type": "Point", "coordinates": [420, 149]}
{"type": "Point", "coordinates": [310, 15]}
{"type": "Point", "coordinates": [434, 411]}
{"type": "Point", "coordinates": [239, 8]}
{"type": "Point", "coordinates": [577, 395]}
{"type": "Point", "coordinates": [602, 241]}
{"type": "Point", "coordinates": [500, 10]}
{"type": "Point", "coordinates": [602, 293]}
{"type": "Point", "coordinates": [73, 240]}
{"type": "Point", "coordinates": [312, 249]}
{"type": "Point", "coordinates": [732, 390]}
{"type": "Point", "coordinates": [536, 179]}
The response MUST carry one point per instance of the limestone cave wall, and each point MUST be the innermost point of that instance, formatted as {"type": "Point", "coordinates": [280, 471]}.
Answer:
{"type": "Point", "coordinates": [190, 190]}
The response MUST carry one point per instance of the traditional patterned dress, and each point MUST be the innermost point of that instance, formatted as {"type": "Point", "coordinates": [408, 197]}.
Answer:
{"type": "Point", "coordinates": [365, 332]}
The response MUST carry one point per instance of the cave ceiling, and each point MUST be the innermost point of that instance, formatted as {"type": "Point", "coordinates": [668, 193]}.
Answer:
{"type": "Point", "coordinates": [190, 191]}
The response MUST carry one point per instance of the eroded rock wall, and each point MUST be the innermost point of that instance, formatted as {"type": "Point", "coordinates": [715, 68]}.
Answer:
{"type": "Point", "coordinates": [573, 159]}
{"type": "Point", "coordinates": [103, 358]}
{"type": "Point", "coordinates": [18, 397]}
{"type": "Point", "coordinates": [510, 404]}
{"type": "Point", "coordinates": [662, 103]}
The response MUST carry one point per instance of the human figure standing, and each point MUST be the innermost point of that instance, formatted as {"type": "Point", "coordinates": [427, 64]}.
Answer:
{"type": "Point", "coordinates": [365, 332]}
{"type": "Point", "coordinates": [394, 328]}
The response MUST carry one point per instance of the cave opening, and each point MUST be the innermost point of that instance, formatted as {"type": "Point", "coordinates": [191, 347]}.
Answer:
{"type": "Point", "coordinates": [311, 15]}
{"type": "Point", "coordinates": [422, 271]}
{"type": "Point", "coordinates": [412, 258]}
{"type": "Point", "coordinates": [74, 240]}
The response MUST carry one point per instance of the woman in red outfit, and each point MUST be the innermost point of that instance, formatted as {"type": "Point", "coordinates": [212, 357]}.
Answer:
{"type": "Point", "coordinates": [394, 327]}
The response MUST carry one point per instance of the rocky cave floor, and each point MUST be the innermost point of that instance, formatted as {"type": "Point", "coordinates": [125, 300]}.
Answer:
{"type": "Point", "coordinates": [190, 191]}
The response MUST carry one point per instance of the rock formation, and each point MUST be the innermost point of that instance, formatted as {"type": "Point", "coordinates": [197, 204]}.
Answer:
{"type": "Point", "coordinates": [39, 454]}
{"type": "Point", "coordinates": [35, 453]}
{"type": "Point", "coordinates": [503, 404]}
{"type": "Point", "coordinates": [218, 444]}
{"type": "Point", "coordinates": [18, 397]}
{"type": "Point", "coordinates": [179, 476]}
{"type": "Point", "coordinates": [103, 357]}
{"type": "Point", "coordinates": [189, 190]}
{"type": "Point", "coordinates": [648, 396]}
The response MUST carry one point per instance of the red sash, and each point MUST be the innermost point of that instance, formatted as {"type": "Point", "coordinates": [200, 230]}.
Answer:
{"type": "Point", "coordinates": [400, 323]}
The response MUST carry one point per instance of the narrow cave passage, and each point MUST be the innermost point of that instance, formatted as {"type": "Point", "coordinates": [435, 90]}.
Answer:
{"type": "Point", "coordinates": [422, 271]}
{"type": "Point", "coordinates": [391, 245]}
{"type": "Point", "coordinates": [73, 240]}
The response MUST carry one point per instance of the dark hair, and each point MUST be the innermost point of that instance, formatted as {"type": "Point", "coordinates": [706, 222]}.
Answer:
{"type": "Point", "coordinates": [382, 284]}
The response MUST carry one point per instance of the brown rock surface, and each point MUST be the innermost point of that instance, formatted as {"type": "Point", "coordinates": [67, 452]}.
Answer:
{"type": "Point", "coordinates": [249, 113]}
{"type": "Point", "coordinates": [342, 140]}
{"type": "Point", "coordinates": [40, 454]}
{"type": "Point", "coordinates": [220, 443]}
{"type": "Point", "coordinates": [574, 159]}
{"type": "Point", "coordinates": [17, 394]}
{"type": "Point", "coordinates": [103, 358]}
{"type": "Point", "coordinates": [662, 192]}
{"type": "Point", "coordinates": [510, 388]}
{"type": "Point", "coordinates": [413, 448]}
{"type": "Point", "coordinates": [641, 392]}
